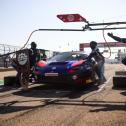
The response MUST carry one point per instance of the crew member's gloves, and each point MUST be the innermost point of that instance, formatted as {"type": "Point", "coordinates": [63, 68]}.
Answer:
{"type": "Point", "coordinates": [110, 34]}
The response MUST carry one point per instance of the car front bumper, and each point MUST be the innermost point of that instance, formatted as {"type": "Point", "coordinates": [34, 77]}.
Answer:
{"type": "Point", "coordinates": [72, 79]}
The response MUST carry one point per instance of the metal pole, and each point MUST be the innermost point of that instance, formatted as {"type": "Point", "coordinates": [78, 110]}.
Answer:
{"type": "Point", "coordinates": [109, 23]}
{"type": "Point", "coordinates": [61, 29]}
{"type": "Point", "coordinates": [92, 29]}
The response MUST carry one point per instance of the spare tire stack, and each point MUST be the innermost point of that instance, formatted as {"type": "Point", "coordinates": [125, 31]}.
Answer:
{"type": "Point", "coordinates": [119, 80]}
{"type": "Point", "coordinates": [11, 81]}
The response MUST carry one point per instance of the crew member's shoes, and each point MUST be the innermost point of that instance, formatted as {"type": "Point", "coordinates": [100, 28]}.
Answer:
{"type": "Point", "coordinates": [99, 82]}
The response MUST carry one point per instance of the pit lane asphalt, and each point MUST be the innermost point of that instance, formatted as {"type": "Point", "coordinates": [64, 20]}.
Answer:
{"type": "Point", "coordinates": [92, 106]}
{"type": "Point", "coordinates": [14, 97]}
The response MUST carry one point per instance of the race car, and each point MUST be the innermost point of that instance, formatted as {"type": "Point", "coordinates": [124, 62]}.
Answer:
{"type": "Point", "coordinates": [67, 68]}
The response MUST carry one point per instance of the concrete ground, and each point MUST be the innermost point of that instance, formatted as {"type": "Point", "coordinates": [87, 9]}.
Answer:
{"type": "Point", "coordinates": [46, 105]}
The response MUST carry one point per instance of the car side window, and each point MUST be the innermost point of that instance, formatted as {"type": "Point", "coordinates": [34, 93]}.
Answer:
{"type": "Point", "coordinates": [74, 57]}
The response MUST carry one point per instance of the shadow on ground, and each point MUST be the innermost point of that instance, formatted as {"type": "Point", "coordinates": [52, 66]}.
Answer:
{"type": "Point", "coordinates": [56, 91]}
{"type": "Point", "coordinates": [59, 95]}
{"type": "Point", "coordinates": [46, 94]}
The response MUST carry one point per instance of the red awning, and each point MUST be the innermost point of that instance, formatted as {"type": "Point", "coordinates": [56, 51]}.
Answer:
{"type": "Point", "coordinates": [71, 18]}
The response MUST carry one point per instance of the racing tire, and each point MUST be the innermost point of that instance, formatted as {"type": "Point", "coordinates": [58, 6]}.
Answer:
{"type": "Point", "coordinates": [11, 81]}
{"type": "Point", "coordinates": [120, 72]}
{"type": "Point", "coordinates": [93, 77]}
{"type": "Point", "coordinates": [119, 81]}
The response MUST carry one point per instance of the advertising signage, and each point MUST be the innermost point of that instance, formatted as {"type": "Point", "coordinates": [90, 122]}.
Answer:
{"type": "Point", "coordinates": [102, 44]}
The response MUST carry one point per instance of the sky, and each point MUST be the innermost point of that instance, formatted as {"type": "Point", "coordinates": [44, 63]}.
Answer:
{"type": "Point", "coordinates": [18, 18]}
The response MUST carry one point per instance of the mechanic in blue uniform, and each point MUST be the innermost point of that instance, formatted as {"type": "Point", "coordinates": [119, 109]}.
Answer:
{"type": "Point", "coordinates": [99, 66]}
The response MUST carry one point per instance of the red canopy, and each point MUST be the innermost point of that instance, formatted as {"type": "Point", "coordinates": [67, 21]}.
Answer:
{"type": "Point", "coordinates": [71, 18]}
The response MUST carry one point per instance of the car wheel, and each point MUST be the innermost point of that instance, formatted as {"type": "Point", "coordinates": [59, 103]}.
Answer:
{"type": "Point", "coordinates": [93, 77]}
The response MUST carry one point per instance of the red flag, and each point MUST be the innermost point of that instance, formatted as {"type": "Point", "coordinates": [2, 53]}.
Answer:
{"type": "Point", "coordinates": [71, 18]}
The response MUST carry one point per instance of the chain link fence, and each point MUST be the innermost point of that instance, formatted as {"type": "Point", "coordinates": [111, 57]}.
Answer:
{"type": "Point", "coordinates": [5, 60]}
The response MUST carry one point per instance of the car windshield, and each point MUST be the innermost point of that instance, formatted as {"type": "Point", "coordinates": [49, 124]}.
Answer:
{"type": "Point", "coordinates": [68, 56]}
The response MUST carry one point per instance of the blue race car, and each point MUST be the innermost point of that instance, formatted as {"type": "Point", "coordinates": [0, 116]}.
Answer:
{"type": "Point", "coordinates": [67, 68]}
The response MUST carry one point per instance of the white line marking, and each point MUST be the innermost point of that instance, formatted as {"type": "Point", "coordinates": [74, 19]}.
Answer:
{"type": "Point", "coordinates": [103, 85]}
